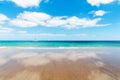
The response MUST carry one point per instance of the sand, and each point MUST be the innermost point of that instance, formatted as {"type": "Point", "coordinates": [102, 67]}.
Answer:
{"type": "Point", "coordinates": [60, 65]}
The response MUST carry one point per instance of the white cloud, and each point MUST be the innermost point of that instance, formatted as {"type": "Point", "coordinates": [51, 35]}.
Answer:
{"type": "Point", "coordinates": [99, 13]}
{"type": "Point", "coordinates": [34, 16]}
{"type": "Point", "coordinates": [3, 18]}
{"type": "Point", "coordinates": [27, 3]}
{"type": "Point", "coordinates": [82, 35]}
{"type": "Point", "coordinates": [56, 21]}
{"type": "Point", "coordinates": [50, 34]}
{"type": "Point", "coordinates": [31, 19]}
{"type": "Point", "coordinates": [22, 32]}
{"type": "Point", "coordinates": [22, 23]}
{"type": "Point", "coordinates": [99, 2]}
{"type": "Point", "coordinates": [75, 22]}
{"type": "Point", "coordinates": [25, 33]}
{"type": "Point", "coordinates": [5, 29]}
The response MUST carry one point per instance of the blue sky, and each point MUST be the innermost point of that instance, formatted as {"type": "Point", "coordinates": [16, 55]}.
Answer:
{"type": "Point", "coordinates": [59, 19]}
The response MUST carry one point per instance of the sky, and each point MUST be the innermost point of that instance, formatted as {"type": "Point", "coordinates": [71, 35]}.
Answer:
{"type": "Point", "coordinates": [59, 19]}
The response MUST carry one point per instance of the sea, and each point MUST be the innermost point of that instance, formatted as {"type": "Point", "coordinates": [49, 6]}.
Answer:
{"type": "Point", "coordinates": [60, 44]}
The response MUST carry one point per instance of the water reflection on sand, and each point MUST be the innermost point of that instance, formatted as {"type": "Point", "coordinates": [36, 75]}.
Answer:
{"type": "Point", "coordinates": [60, 64]}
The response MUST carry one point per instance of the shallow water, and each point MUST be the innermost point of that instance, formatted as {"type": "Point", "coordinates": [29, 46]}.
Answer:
{"type": "Point", "coordinates": [60, 43]}
{"type": "Point", "coordinates": [59, 64]}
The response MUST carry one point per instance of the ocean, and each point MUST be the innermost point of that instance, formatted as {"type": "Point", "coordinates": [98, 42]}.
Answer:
{"type": "Point", "coordinates": [59, 43]}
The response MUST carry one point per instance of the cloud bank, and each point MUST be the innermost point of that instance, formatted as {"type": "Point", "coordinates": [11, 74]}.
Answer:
{"type": "Point", "coordinates": [32, 19]}
{"type": "Point", "coordinates": [3, 18]}
{"type": "Point", "coordinates": [27, 3]}
{"type": "Point", "coordinates": [98, 13]}
{"type": "Point", "coordinates": [99, 2]}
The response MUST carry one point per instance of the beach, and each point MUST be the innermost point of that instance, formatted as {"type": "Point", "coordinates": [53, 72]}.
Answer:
{"type": "Point", "coordinates": [83, 63]}
{"type": "Point", "coordinates": [59, 40]}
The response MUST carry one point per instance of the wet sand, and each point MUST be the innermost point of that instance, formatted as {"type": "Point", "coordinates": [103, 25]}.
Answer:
{"type": "Point", "coordinates": [60, 64]}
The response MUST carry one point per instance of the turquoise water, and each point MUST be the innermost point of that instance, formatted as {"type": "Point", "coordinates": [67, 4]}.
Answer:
{"type": "Point", "coordinates": [59, 43]}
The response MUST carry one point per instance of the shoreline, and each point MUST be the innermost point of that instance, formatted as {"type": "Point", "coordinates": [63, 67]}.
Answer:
{"type": "Point", "coordinates": [20, 47]}
{"type": "Point", "coordinates": [88, 63]}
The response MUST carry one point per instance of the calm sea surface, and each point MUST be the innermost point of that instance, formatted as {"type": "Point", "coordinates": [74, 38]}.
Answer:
{"type": "Point", "coordinates": [60, 43]}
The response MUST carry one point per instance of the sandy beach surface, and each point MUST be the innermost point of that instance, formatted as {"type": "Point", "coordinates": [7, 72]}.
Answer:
{"type": "Point", "coordinates": [59, 64]}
